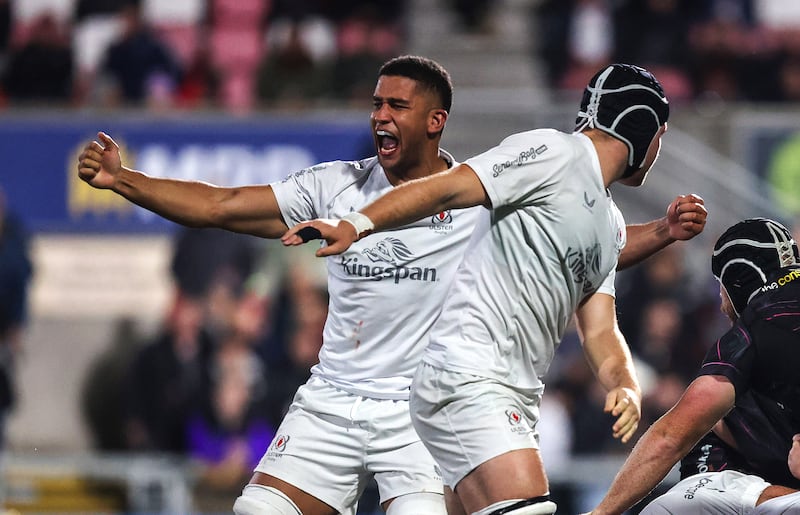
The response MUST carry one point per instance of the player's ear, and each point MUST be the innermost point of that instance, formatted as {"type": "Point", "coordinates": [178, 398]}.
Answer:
{"type": "Point", "coordinates": [437, 120]}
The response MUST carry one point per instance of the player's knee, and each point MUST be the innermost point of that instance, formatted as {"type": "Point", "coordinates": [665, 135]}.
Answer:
{"type": "Point", "coordinates": [541, 505]}
{"type": "Point", "coordinates": [264, 500]}
{"type": "Point", "coordinates": [421, 502]}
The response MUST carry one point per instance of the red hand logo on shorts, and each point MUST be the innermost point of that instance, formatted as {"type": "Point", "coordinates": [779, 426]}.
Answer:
{"type": "Point", "coordinates": [514, 417]}
{"type": "Point", "coordinates": [279, 444]}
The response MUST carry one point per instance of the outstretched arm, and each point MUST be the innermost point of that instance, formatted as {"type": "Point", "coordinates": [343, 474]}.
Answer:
{"type": "Point", "coordinates": [249, 209]}
{"type": "Point", "coordinates": [610, 359]}
{"type": "Point", "coordinates": [458, 187]}
{"type": "Point", "coordinates": [685, 219]}
{"type": "Point", "coordinates": [705, 401]}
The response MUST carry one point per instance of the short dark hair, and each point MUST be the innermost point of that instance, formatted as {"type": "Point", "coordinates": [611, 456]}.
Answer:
{"type": "Point", "coordinates": [430, 74]}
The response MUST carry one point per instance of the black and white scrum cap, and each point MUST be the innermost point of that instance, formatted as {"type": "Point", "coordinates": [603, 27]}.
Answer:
{"type": "Point", "coordinates": [747, 255]}
{"type": "Point", "coordinates": [627, 102]}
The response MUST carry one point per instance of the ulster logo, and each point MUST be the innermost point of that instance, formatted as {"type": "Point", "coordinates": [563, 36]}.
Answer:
{"type": "Point", "coordinates": [516, 422]}
{"type": "Point", "coordinates": [276, 448]}
{"type": "Point", "coordinates": [514, 417]}
{"type": "Point", "coordinates": [442, 218]}
{"type": "Point", "coordinates": [279, 444]}
{"type": "Point", "coordinates": [442, 222]}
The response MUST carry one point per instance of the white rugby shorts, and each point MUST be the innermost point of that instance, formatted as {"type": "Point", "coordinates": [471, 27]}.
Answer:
{"type": "Point", "coordinates": [466, 420]}
{"type": "Point", "coordinates": [332, 442]}
{"type": "Point", "coordinates": [710, 493]}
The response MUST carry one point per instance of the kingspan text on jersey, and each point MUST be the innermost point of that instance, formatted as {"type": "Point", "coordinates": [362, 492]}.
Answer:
{"type": "Point", "coordinates": [352, 267]}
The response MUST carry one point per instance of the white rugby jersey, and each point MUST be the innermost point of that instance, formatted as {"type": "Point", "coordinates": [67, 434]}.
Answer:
{"type": "Point", "coordinates": [387, 289]}
{"type": "Point", "coordinates": [552, 238]}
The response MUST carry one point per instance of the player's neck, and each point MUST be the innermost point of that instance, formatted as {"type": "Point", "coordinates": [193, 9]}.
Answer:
{"type": "Point", "coordinates": [428, 165]}
{"type": "Point", "coordinates": [611, 153]}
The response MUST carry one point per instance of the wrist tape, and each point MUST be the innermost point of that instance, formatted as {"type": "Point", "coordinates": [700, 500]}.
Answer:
{"type": "Point", "coordinates": [360, 221]}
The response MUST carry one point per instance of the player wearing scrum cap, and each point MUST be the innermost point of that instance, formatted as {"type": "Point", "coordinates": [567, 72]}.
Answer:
{"type": "Point", "coordinates": [545, 248]}
{"type": "Point", "coordinates": [739, 416]}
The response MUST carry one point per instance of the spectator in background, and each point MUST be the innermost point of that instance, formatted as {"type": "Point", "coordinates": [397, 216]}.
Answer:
{"type": "Point", "coordinates": [229, 430]}
{"type": "Point", "coordinates": [15, 273]}
{"type": "Point", "coordinates": [140, 67]}
{"type": "Point", "coordinates": [96, 24]}
{"type": "Point", "coordinates": [653, 33]}
{"type": "Point", "coordinates": [473, 15]}
{"type": "Point", "coordinates": [366, 38]}
{"type": "Point", "coordinates": [202, 254]}
{"type": "Point", "coordinates": [103, 392]}
{"type": "Point", "coordinates": [302, 342]}
{"type": "Point", "coordinates": [212, 265]}
{"type": "Point", "coordinates": [199, 86]}
{"type": "Point", "coordinates": [575, 38]}
{"type": "Point", "coordinates": [168, 379]}
{"type": "Point", "coordinates": [41, 69]}
{"type": "Point", "coordinates": [289, 74]}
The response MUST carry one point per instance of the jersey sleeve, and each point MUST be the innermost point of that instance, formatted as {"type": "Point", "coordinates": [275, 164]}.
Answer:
{"type": "Point", "coordinates": [732, 357]}
{"type": "Point", "coordinates": [521, 169]}
{"type": "Point", "coordinates": [607, 286]}
{"type": "Point", "coordinates": [299, 195]}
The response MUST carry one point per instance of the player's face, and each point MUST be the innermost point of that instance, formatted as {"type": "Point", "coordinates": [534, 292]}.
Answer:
{"type": "Point", "coordinates": [726, 306]}
{"type": "Point", "coordinates": [400, 117]}
{"type": "Point", "coordinates": [638, 178]}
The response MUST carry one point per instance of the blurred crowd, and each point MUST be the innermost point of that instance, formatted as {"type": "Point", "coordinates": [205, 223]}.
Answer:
{"type": "Point", "coordinates": [230, 54]}
{"type": "Point", "coordinates": [244, 54]}
{"type": "Point", "coordinates": [733, 50]}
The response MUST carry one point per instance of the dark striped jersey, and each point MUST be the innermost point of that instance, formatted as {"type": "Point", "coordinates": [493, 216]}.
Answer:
{"type": "Point", "coordinates": [760, 356]}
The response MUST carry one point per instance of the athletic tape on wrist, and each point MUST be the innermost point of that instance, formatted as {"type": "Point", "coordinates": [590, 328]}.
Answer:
{"type": "Point", "coordinates": [360, 221]}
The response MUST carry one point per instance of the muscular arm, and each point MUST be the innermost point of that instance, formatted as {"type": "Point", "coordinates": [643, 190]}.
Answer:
{"type": "Point", "coordinates": [458, 187]}
{"type": "Point", "coordinates": [250, 209]}
{"type": "Point", "coordinates": [705, 401]}
{"type": "Point", "coordinates": [610, 359]}
{"type": "Point", "coordinates": [685, 219]}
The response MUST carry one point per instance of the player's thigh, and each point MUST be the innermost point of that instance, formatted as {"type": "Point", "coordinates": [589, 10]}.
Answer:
{"type": "Point", "coordinates": [710, 493]}
{"type": "Point", "coordinates": [318, 449]}
{"type": "Point", "coordinates": [476, 426]}
{"type": "Point", "coordinates": [402, 466]}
